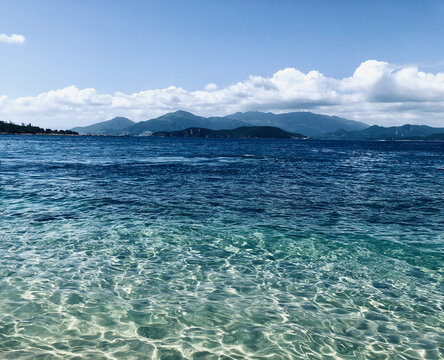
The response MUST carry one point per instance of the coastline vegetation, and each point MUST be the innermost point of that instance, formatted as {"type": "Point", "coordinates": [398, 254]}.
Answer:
{"type": "Point", "coordinates": [23, 129]}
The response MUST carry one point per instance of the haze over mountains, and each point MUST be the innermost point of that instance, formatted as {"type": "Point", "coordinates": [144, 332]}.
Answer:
{"type": "Point", "coordinates": [305, 123]}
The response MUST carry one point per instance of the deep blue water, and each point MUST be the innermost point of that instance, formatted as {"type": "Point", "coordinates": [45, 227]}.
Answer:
{"type": "Point", "coordinates": [133, 248]}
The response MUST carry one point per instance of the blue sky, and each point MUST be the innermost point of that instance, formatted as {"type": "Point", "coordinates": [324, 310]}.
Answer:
{"type": "Point", "coordinates": [135, 46]}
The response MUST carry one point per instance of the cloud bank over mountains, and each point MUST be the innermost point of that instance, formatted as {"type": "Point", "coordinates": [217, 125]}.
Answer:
{"type": "Point", "coordinates": [377, 93]}
{"type": "Point", "coordinates": [12, 39]}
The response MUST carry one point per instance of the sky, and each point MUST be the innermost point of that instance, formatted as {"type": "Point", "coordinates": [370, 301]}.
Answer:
{"type": "Point", "coordinates": [70, 63]}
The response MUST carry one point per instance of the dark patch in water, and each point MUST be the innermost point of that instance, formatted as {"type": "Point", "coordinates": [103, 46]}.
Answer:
{"type": "Point", "coordinates": [53, 217]}
{"type": "Point", "coordinates": [155, 332]}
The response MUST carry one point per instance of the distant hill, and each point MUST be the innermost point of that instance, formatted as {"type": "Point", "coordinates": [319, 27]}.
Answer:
{"type": "Point", "coordinates": [300, 122]}
{"type": "Point", "coordinates": [10, 128]}
{"type": "Point", "coordinates": [114, 126]}
{"type": "Point", "coordinates": [405, 132]}
{"type": "Point", "coordinates": [435, 137]}
{"type": "Point", "coordinates": [248, 132]}
{"type": "Point", "coordinates": [180, 120]}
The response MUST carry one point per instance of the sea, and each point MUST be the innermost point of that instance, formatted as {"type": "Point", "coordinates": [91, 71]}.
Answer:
{"type": "Point", "coordinates": [185, 248]}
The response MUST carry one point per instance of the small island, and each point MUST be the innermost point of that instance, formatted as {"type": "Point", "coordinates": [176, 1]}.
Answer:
{"type": "Point", "coordinates": [9, 128]}
{"type": "Point", "coordinates": [243, 132]}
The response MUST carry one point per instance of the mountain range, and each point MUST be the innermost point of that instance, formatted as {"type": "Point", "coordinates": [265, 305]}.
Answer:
{"type": "Point", "coordinates": [405, 132]}
{"type": "Point", "coordinates": [303, 122]}
{"type": "Point", "coordinates": [306, 123]}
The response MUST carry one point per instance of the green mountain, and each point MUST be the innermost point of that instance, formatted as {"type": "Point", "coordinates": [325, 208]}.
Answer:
{"type": "Point", "coordinates": [300, 122]}
{"type": "Point", "coordinates": [114, 126]}
{"type": "Point", "coordinates": [10, 128]}
{"type": "Point", "coordinates": [180, 120]}
{"type": "Point", "coordinates": [245, 132]}
{"type": "Point", "coordinates": [405, 132]}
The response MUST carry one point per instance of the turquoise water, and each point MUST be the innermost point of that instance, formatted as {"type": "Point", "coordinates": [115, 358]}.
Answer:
{"type": "Point", "coordinates": [132, 248]}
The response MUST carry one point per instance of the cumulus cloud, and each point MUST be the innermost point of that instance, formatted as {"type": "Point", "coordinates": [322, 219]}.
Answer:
{"type": "Point", "coordinates": [376, 93]}
{"type": "Point", "coordinates": [12, 39]}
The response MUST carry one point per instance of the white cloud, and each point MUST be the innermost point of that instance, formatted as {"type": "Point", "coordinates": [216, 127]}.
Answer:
{"type": "Point", "coordinates": [12, 39]}
{"type": "Point", "coordinates": [376, 93]}
{"type": "Point", "coordinates": [211, 87]}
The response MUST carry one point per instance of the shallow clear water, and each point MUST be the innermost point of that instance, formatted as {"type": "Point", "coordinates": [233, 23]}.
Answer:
{"type": "Point", "coordinates": [133, 248]}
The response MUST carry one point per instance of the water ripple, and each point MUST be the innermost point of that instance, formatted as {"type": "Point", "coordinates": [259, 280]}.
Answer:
{"type": "Point", "coordinates": [132, 248]}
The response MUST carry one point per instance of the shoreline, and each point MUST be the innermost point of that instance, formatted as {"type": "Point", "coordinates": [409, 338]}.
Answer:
{"type": "Point", "coordinates": [236, 138]}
